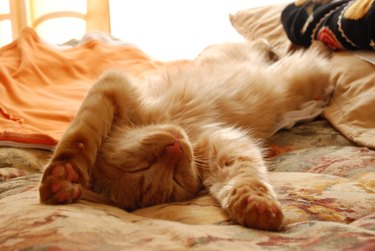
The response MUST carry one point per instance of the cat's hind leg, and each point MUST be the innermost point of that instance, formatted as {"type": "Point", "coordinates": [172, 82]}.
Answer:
{"type": "Point", "coordinates": [305, 76]}
{"type": "Point", "coordinates": [299, 88]}
{"type": "Point", "coordinates": [110, 100]}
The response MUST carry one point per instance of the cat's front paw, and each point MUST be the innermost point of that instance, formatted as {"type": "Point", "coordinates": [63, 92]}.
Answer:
{"type": "Point", "coordinates": [254, 206]}
{"type": "Point", "coordinates": [61, 184]}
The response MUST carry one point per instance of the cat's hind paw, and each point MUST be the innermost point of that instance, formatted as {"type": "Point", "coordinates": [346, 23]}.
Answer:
{"type": "Point", "coordinates": [60, 184]}
{"type": "Point", "coordinates": [255, 209]}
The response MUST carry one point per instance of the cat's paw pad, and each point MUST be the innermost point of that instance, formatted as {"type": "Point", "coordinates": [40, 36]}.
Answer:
{"type": "Point", "coordinates": [256, 209]}
{"type": "Point", "coordinates": [60, 184]}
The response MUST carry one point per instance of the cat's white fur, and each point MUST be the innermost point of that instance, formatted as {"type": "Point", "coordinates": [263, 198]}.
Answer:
{"type": "Point", "coordinates": [160, 139]}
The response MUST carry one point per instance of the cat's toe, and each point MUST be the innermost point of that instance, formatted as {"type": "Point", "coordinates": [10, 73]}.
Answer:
{"type": "Point", "coordinates": [65, 171]}
{"type": "Point", "coordinates": [60, 184]}
{"type": "Point", "coordinates": [263, 213]}
{"type": "Point", "coordinates": [256, 210]}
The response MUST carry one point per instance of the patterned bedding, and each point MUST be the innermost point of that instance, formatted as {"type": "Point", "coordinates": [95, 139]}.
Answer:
{"type": "Point", "coordinates": [325, 183]}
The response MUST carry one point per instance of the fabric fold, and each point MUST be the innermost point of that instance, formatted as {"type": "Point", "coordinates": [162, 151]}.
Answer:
{"type": "Point", "coordinates": [42, 87]}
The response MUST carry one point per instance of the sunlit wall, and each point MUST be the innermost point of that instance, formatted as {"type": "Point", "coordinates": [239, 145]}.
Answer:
{"type": "Point", "coordinates": [165, 29]}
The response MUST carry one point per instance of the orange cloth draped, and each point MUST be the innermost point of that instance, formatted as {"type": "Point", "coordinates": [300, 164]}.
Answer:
{"type": "Point", "coordinates": [42, 87]}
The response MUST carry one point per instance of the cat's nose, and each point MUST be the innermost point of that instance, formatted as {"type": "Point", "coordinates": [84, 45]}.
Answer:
{"type": "Point", "coordinates": [174, 148]}
{"type": "Point", "coordinates": [173, 154]}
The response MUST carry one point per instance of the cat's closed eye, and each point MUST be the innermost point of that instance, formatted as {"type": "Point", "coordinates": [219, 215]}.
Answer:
{"type": "Point", "coordinates": [138, 169]}
{"type": "Point", "coordinates": [176, 180]}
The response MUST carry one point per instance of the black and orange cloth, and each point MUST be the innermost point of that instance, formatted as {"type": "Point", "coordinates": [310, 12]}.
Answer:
{"type": "Point", "coordinates": [340, 24]}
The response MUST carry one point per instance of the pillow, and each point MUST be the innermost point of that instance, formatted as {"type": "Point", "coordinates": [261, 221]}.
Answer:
{"type": "Point", "coordinates": [262, 22]}
{"type": "Point", "coordinates": [352, 106]}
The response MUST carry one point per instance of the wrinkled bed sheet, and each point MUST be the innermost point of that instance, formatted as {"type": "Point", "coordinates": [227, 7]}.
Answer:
{"type": "Point", "coordinates": [325, 183]}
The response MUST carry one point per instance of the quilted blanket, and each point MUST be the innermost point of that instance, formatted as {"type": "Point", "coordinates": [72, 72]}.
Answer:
{"type": "Point", "coordinates": [325, 184]}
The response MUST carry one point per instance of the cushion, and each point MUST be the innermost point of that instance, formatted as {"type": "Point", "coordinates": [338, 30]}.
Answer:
{"type": "Point", "coordinates": [262, 22]}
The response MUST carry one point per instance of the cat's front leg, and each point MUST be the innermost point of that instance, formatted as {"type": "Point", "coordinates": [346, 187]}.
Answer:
{"type": "Point", "coordinates": [237, 177]}
{"type": "Point", "coordinates": [111, 100]}
{"type": "Point", "coordinates": [67, 173]}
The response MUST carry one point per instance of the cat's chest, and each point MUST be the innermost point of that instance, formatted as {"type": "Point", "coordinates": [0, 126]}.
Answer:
{"type": "Point", "coordinates": [183, 107]}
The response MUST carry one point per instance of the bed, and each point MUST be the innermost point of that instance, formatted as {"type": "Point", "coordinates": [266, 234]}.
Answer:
{"type": "Point", "coordinates": [323, 170]}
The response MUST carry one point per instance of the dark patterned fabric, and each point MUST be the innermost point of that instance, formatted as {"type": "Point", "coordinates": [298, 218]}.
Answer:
{"type": "Point", "coordinates": [345, 24]}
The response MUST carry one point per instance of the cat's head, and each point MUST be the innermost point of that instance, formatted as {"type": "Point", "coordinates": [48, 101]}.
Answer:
{"type": "Point", "coordinates": [149, 165]}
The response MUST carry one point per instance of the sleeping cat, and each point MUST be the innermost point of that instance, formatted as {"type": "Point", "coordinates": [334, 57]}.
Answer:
{"type": "Point", "coordinates": [141, 142]}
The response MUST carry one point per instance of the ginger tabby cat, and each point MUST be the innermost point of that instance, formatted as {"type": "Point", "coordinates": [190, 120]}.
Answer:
{"type": "Point", "coordinates": [143, 142]}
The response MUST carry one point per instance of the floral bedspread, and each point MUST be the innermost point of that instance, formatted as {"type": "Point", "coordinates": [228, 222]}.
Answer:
{"type": "Point", "coordinates": [325, 183]}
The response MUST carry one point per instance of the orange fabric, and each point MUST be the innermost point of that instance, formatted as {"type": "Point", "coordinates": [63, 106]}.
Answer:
{"type": "Point", "coordinates": [41, 87]}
